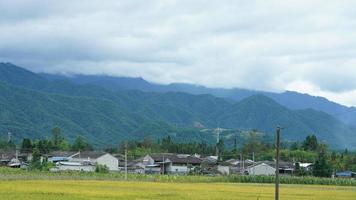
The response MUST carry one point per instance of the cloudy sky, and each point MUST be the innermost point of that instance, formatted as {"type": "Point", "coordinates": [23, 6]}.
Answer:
{"type": "Point", "coordinates": [306, 46]}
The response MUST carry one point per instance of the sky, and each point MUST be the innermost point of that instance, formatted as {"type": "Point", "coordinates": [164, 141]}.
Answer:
{"type": "Point", "coordinates": [307, 46]}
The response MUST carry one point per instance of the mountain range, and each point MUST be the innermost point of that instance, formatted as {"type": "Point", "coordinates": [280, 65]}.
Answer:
{"type": "Point", "coordinates": [289, 99]}
{"type": "Point", "coordinates": [106, 110]}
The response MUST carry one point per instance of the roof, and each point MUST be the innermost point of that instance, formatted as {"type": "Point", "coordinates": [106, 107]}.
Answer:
{"type": "Point", "coordinates": [70, 163]}
{"type": "Point", "coordinates": [62, 153]}
{"type": "Point", "coordinates": [57, 159]}
{"type": "Point", "coordinates": [7, 155]}
{"type": "Point", "coordinates": [119, 156]}
{"type": "Point", "coordinates": [211, 159]}
{"type": "Point", "coordinates": [305, 164]}
{"type": "Point", "coordinates": [89, 154]}
{"type": "Point", "coordinates": [176, 158]}
{"type": "Point", "coordinates": [345, 173]}
{"type": "Point", "coordinates": [282, 164]}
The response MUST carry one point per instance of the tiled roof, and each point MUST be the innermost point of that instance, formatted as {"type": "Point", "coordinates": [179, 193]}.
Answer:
{"type": "Point", "coordinates": [176, 158]}
{"type": "Point", "coordinates": [89, 154]}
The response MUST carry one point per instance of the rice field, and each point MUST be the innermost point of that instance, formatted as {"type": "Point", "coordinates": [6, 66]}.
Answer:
{"type": "Point", "coordinates": [96, 189]}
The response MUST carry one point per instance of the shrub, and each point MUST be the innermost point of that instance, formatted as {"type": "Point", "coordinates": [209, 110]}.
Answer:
{"type": "Point", "coordinates": [101, 169]}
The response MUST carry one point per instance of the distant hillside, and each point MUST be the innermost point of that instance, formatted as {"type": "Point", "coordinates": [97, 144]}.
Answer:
{"type": "Point", "coordinates": [292, 100]}
{"type": "Point", "coordinates": [106, 116]}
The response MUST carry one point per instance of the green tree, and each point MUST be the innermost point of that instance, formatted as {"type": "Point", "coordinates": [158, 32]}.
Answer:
{"type": "Point", "coordinates": [147, 143]}
{"type": "Point", "coordinates": [26, 146]}
{"type": "Point", "coordinates": [310, 143]}
{"type": "Point", "coordinates": [44, 146]}
{"type": "Point", "coordinates": [322, 167]}
{"type": "Point", "coordinates": [64, 145]}
{"type": "Point", "coordinates": [35, 163]}
{"type": "Point", "coordinates": [56, 137]}
{"type": "Point", "coordinates": [80, 144]}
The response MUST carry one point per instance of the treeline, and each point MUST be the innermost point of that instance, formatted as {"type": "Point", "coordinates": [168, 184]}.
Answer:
{"type": "Point", "coordinates": [45, 146]}
{"type": "Point", "coordinates": [255, 148]}
{"type": "Point", "coordinates": [325, 161]}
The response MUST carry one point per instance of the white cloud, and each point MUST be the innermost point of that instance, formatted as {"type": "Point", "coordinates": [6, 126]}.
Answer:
{"type": "Point", "coordinates": [265, 45]}
{"type": "Point", "coordinates": [346, 98]}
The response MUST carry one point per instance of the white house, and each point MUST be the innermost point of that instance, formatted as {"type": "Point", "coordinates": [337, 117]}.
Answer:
{"type": "Point", "coordinates": [94, 158]}
{"type": "Point", "coordinates": [73, 166]}
{"type": "Point", "coordinates": [169, 163]}
{"type": "Point", "coordinates": [85, 161]}
{"type": "Point", "coordinates": [261, 169]}
{"type": "Point", "coordinates": [225, 170]}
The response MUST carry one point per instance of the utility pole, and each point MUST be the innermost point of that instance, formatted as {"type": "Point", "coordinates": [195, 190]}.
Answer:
{"type": "Point", "coordinates": [235, 142]}
{"type": "Point", "coordinates": [277, 163]}
{"type": "Point", "coordinates": [243, 162]}
{"type": "Point", "coordinates": [241, 170]}
{"type": "Point", "coordinates": [217, 142]}
{"type": "Point", "coordinates": [163, 164]}
{"type": "Point", "coordinates": [125, 161]}
{"type": "Point", "coordinates": [9, 137]}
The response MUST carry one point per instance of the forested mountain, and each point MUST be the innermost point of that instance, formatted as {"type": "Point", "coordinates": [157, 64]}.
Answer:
{"type": "Point", "coordinates": [291, 100]}
{"type": "Point", "coordinates": [107, 116]}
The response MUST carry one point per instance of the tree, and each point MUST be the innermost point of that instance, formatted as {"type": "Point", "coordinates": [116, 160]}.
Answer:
{"type": "Point", "coordinates": [26, 146]}
{"type": "Point", "coordinates": [254, 144]}
{"type": "Point", "coordinates": [56, 137]}
{"type": "Point", "coordinates": [310, 143]}
{"type": "Point", "coordinates": [294, 146]}
{"type": "Point", "coordinates": [80, 145]}
{"type": "Point", "coordinates": [221, 147]}
{"type": "Point", "coordinates": [101, 169]}
{"type": "Point", "coordinates": [322, 167]}
{"type": "Point", "coordinates": [64, 145]}
{"type": "Point", "coordinates": [44, 146]}
{"type": "Point", "coordinates": [147, 143]}
{"type": "Point", "coordinates": [7, 145]}
{"type": "Point", "coordinates": [36, 160]}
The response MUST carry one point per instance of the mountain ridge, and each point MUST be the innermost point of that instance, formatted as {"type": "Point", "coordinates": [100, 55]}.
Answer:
{"type": "Point", "coordinates": [290, 99]}
{"type": "Point", "coordinates": [104, 116]}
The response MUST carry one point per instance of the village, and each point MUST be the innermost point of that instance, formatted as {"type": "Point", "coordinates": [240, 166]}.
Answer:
{"type": "Point", "coordinates": [157, 163]}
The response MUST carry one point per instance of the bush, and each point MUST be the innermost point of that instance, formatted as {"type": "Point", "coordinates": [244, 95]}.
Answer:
{"type": "Point", "coordinates": [101, 169]}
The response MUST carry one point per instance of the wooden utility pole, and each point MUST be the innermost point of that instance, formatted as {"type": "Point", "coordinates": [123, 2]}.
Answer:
{"type": "Point", "coordinates": [163, 164]}
{"type": "Point", "coordinates": [277, 163]}
{"type": "Point", "coordinates": [125, 161]}
{"type": "Point", "coordinates": [9, 137]}
{"type": "Point", "coordinates": [217, 142]}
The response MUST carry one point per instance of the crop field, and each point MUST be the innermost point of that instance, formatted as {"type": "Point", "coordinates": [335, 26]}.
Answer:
{"type": "Point", "coordinates": [96, 189]}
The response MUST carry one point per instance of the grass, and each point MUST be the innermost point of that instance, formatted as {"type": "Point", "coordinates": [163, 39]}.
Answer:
{"type": "Point", "coordinates": [17, 174]}
{"type": "Point", "coordinates": [96, 189]}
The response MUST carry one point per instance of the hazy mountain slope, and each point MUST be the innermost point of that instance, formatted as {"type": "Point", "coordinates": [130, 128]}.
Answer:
{"type": "Point", "coordinates": [32, 114]}
{"type": "Point", "coordinates": [18, 76]}
{"type": "Point", "coordinates": [262, 113]}
{"type": "Point", "coordinates": [106, 116]}
{"type": "Point", "coordinates": [292, 100]}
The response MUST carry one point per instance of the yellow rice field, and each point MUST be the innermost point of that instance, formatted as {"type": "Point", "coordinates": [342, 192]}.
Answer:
{"type": "Point", "coordinates": [90, 190]}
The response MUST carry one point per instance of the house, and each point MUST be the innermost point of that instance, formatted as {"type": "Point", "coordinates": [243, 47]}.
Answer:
{"type": "Point", "coordinates": [238, 166]}
{"type": "Point", "coordinates": [95, 157]}
{"type": "Point", "coordinates": [260, 169]}
{"type": "Point", "coordinates": [346, 174]}
{"type": "Point", "coordinates": [305, 166]}
{"type": "Point", "coordinates": [169, 163]}
{"type": "Point", "coordinates": [73, 166]}
{"type": "Point", "coordinates": [13, 158]}
{"type": "Point", "coordinates": [6, 156]}
{"type": "Point", "coordinates": [83, 161]}
{"type": "Point", "coordinates": [135, 167]}
{"type": "Point", "coordinates": [223, 169]}
{"type": "Point", "coordinates": [60, 156]}
{"type": "Point", "coordinates": [211, 159]}
{"type": "Point", "coordinates": [269, 168]}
